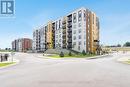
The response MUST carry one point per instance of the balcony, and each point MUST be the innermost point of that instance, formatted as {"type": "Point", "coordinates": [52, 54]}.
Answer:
{"type": "Point", "coordinates": [64, 26]}
{"type": "Point", "coordinates": [64, 22]}
{"type": "Point", "coordinates": [69, 20]}
{"type": "Point", "coordinates": [64, 31]}
{"type": "Point", "coordinates": [96, 40]}
{"type": "Point", "coordinates": [69, 30]}
{"type": "Point", "coordinates": [64, 46]}
{"type": "Point", "coordinates": [69, 36]}
{"type": "Point", "coordinates": [69, 40]}
{"type": "Point", "coordinates": [64, 41]}
{"type": "Point", "coordinates": [69, 25]}
{"type": "Point", "coordinates": [53, 27]}
{"type": "Point", "coordinates": [69, 46]}
{"type": "Point", "coordinates": [64, 35]}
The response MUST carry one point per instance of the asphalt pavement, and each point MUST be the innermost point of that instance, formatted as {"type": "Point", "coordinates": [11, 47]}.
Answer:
{"type": "Point", "coordinates": [33, 71]}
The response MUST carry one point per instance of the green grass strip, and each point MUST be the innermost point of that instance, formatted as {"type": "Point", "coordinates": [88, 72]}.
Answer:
{"type": "Point", "coordinates": [6, 64]}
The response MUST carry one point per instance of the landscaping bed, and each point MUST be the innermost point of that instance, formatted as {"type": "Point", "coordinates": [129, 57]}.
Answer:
{"type": "Point", "coordinates": [72, 56]}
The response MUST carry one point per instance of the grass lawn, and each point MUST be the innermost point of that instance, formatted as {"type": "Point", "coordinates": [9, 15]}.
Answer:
{"type": "Point", "coordinates": [5, 64]}
{"type": "Point", "coordinates": [128, 62]}
{"type": "Point", "coordinates": [6, 51]}
{"type": "Point", "coordinates": [73, 56]}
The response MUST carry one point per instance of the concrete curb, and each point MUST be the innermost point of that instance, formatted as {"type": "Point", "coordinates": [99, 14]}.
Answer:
{"type": "Point", "coordinates": [95, 57]}
{"type": "Point", "coordinates": [15, 63]}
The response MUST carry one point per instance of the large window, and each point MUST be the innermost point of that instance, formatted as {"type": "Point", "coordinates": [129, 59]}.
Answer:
{"type": "Point", "coordinates": [79, 30]}
{"type": "Point", "coordinates": [60, 35]}
{"type": "Point", "coordinates": [74, 37]}
{"type": "Point", "coordinates": [79, 36]}
{"type": "Point", "coordinates": [59, 23]}
{"type": "Point", "coordinates": [84, 15]}
{"type": "Point", "coordinates": [80, 15]}
{"type": "Point", "coordinates": [79, 42]}
{"type": "Point", "coordinates": [74, 18]}
{"type": "Point", "coordinates": [79, 25]}
{"type": "Point", "coordinates": [93, 18]}
{"type": "Point", "coordinates": [74, 26]}
{"type": "Point", "coordinates": [78, 47]}
{"type": "Point", "coordinates": [56, 25]}
{"type": "Point", "coordinates": [60, 40]}
{"type": "Point", "coordinates": [74, 44]}
{"type": "Point", "coordinates": [74, 31]}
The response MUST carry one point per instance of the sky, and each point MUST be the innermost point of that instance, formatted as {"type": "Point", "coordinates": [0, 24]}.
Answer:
{"type": "Point", "coordinates": [114, 18]}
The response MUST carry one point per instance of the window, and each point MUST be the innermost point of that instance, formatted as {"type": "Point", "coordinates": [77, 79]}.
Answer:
{"type": "Point", "coordinates": [60, 35]}
{"type": "Point", "coordinates": [88, 20]}
{"type": "Point", "coordinates": [59, 23]}
{"type": "Point", "coordinates": [79, 36]}
{"type": "Point", "coordinates": [56, 36]}
{"type": "Point", "coordinates": [93, 18]}
{"type": "Point", "coordinates": [74, 18]}
{"type": "Point", "coordinates": [74, 26]}
{"type": "Point", "coordinates": [84, 43]}
{"type": "Point", "coordinates": [59, 30]}
{"type": "Point", "coordinates": [74, 31]}
{"type": "Point", "coordinates": [74, 43]}
{"type": "Point", "coordinates": [79, 30]}
{"type": "Point", "coordinates": [84, 15]}
{"type": "Point", "coordinates": [78, 47]}
{"type": "Point", "coordinates": [60, 40]}
{"type": "Point", "coordinates": [56, 41]}
{"type": "Point", "coordinates": [80, 15]}
{"type": "Point", "coordinates": [79, 24]}
{"type": "Point", "coordinates": [56, 25]}
{"type": "Point", "coordinates": [74, 37]}
{"type": "Point", "coordinates": [80, 43]}
{"type": "Point", "coordinates": [84, 36]}
{"type": "Point", "coordinates": [88, 26]}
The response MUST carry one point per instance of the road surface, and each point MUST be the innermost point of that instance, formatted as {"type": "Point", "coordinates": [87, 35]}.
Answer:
{"type": "Point", "coordinates": [37, 72]}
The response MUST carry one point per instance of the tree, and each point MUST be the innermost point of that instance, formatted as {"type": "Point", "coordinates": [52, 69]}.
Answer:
{"type": "Point", "coordinates": [61, 54]}
{"type": "Point", "coordinates": [83, 52]}
{"type": "Point", "coordinates": [118, 45]}
{"type": "Point", "coordinates": [70, 54]}
{"type": "Point", "coordinates": [6, 48]}
{"type": "Point", "coordinates": [127, 44]}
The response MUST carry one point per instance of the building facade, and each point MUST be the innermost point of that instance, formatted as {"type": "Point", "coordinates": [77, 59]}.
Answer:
{"type": "Point", "coordinates": [78, 31]}
{"type": "Point", "coordinates": [22, 44]}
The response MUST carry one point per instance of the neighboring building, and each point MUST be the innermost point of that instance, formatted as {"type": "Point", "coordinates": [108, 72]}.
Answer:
{"type": "Point", "coordinates": [14, 45]}
{"type": "Point", "coordinates": [78, 31]}
{"type": "Point", "coordinates": [22, 44]}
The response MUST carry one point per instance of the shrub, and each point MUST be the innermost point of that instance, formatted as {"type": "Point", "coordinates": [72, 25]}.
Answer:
{"type": "Point", "coordinates": [83, 52]}
{"type": "Point", "coordinates": [61, 54]}
{"type": "Point", "coordinates": [70, 54]}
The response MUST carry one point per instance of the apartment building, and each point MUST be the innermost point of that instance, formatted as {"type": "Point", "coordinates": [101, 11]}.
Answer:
{"type": "Point", "coordinates": [78, 31]}
{"type": "Point", "coordinates": [58, 34]}
{"type": "Point", "coordinates": [22, 44]}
